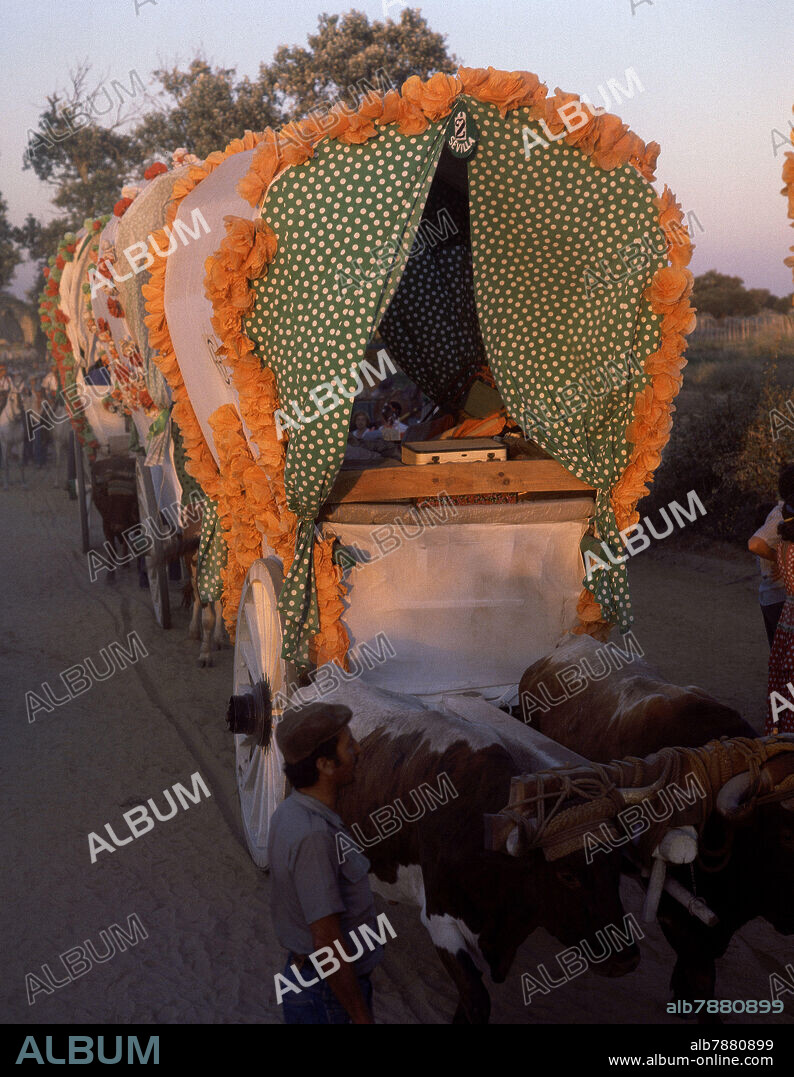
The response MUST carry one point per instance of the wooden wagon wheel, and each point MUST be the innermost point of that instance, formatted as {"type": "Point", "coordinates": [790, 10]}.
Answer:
{"type": "Point", "coordinates": [156, 568]}
{"type": "Point", "coordinates": [257, 663]}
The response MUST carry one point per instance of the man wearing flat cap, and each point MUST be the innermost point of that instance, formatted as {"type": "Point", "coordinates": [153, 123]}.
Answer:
{"type": "Point", "coordinates": [317, 902]}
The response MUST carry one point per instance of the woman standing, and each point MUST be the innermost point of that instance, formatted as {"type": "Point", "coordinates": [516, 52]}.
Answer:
{"type": "Point", "coordinates": [780, 710]}
{"type": "Point", "coordinates": [764, 544]}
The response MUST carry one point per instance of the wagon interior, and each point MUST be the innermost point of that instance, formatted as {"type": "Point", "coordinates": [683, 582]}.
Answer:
{"type": "Point", "coordinates": [433, 307]}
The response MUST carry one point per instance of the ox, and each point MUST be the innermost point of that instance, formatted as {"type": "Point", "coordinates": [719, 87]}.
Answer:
{"type": "Point", "coordinates": [605, 711]}
{"type": "Point", "coordinates": [745, 863]}
{"type": "Point", "coordinates": [478, 906]}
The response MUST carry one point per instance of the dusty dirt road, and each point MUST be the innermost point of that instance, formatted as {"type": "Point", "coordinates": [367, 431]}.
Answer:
{"type": "Point", "coordinates": [210, 953]}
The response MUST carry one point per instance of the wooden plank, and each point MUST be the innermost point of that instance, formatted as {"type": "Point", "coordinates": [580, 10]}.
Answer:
{"type": "Point", "coordinates": [404, 482]}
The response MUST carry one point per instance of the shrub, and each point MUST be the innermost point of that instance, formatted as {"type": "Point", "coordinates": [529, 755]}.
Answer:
{"type": "Point", "coordinates": [705, 435]}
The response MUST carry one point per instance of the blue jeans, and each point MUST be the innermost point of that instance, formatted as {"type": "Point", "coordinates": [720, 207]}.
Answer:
{"type": "Point", "coordinates": [317, 1005]}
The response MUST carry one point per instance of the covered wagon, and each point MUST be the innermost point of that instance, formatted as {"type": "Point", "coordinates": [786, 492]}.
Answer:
{"type": "Point", "coordinates": [508, 252]}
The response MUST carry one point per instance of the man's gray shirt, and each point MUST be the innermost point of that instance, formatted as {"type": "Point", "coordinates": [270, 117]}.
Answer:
{"type": "Point", "coordinates": [308, 881]}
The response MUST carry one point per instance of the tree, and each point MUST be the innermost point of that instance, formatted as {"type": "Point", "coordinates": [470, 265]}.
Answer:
{"type": "Point", "coordinates": [347, 50]}
{"type": "Point", "coordinates": [9, 251]}
{"type": "Point", "coordinates": [720, 295]}
{"type": "Point", "coordinates": [40, 241]}
{"type": "Point", "coordinates": [86, 162]}
{"type": "Point", "coordinates": [202, 108]}
{"type": "Point", "coordinates": [766, 301]}
{"type": "Point", "coordinates": [767, 443]}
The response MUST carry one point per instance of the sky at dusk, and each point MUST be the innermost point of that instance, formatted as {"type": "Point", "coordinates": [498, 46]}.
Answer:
{"type": "Point", "coordinates": [717, 80]}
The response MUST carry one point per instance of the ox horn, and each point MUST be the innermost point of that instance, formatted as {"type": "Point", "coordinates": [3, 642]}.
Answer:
{"type": "Point", "coordinates": [520, 839]}
{"type": "Point", "coordinates": [515, 844]}
{"type": "Point", "coordinates": [508, 835]}
{"type": "Point", "coordinates": [730, 798]}
{"type": "Point", "coordinates": [678, 846]}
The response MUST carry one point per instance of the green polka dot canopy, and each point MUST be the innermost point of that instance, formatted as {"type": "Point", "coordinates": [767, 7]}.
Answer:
{"type": "Point", "coordinates": [430, 328]}
{"type": "Point", "coordinates": [543, 278]}
{"type": "Point", "coordinates": [346, 215]}
{"type": "Point", "coordinates": [191, 491]}
{"type": "Point", "coordinates": [211, 557]}
{"type": "Point", "coordinates": [562, 254]}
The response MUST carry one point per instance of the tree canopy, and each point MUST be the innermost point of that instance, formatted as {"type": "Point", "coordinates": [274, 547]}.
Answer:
{"type": "Point", "coordinates": [720, 295]}
{"type": "Point", "coordinates": [9, 251]}
{"type": "Point", "coordinates": [202, 108]}
{"type": "Point", "coordinates": [85, 161]}
{"type": "Point", "coordinates": [86, 156]}
{"type": "Point", "coordinates": [347, 51]}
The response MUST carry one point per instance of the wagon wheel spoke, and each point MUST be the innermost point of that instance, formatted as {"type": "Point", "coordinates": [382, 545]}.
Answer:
{"type": "Point", "coordinates": [251, 644]}
{"type": "Point", "coordinates": [253, 666]}
{"type": "Point", "coordinates": [260, 799]}
{"type": "Point", "coordinates": [249, 773]}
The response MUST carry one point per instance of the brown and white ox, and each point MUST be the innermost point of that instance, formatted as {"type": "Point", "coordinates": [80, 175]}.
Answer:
{"type": "Point", "coordinates": [478, 906]}
{"type": "Point", "coordinates": [745, 863]}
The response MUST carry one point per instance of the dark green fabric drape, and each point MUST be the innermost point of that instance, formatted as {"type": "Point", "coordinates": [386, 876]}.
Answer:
{"type": "Point", "coordinates": [345, 222]}
{"type": "Point", "coordinates": [212, 552]}
{"type": "Point", "coordinates": [431, 328]}
{"type": "Point", "coordinates": [563, 252]}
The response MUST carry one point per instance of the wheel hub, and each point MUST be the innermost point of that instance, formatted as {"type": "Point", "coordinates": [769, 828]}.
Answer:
{"type": "Point", "coordinates": [251, 713]}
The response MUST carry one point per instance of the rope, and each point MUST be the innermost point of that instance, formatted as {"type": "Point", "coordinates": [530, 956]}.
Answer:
{"type": "Point", "coordinates": [548, 820]}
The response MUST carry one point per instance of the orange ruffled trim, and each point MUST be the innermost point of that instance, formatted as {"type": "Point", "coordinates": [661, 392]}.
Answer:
{"type": "Point", "coordinates": [248, 509]}
{"type": "Point", "coordinates": [250, 246]}
{"type": "Point", "coordinates": [604, 137]}
{"type": "Point", "coordinates": [652, 421]}
{"type": "Point", "coordinates": [788, 191]}
{"type": "Point", "coordinates": [244, 254]}
{"type": "Point", "coordinates": [199, 461]}
{"type": "Point", "coordinates": [236, 507]}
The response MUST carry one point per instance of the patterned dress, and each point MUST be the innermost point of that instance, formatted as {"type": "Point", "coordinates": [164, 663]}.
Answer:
{"type": "Point", "coordinates": [781, 660]}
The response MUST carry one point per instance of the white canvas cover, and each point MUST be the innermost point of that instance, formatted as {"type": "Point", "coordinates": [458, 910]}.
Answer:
{"type": "Point", "coordinates": [188, 311]}
{"type": "Point", "coordinates": [464, 605]}
{"type": "Point", "coordinates": [121, 267]}
{"type": "Point", "coordinates": [119, 234]}
{"type": "Point", "coordinates": [106, 425]}
{"type": "Point", "coordinates": [78, 312]}
{"type": "Point", "coordinates": [73, 304]}
{"type": "Point", "coordinates": [142, 425]}
{"type": "Point", "coordinates": [142, 219]}
{"type": "Point", "coordinates": [65, 291]}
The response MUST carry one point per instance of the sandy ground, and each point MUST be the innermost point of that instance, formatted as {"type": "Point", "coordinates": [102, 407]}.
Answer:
{"type": "Point", "coordinates": [210, 954]}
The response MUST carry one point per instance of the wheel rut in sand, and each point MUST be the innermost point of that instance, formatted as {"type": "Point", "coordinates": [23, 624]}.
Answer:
{"type": "Point", "coordinates": [191, 736]}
